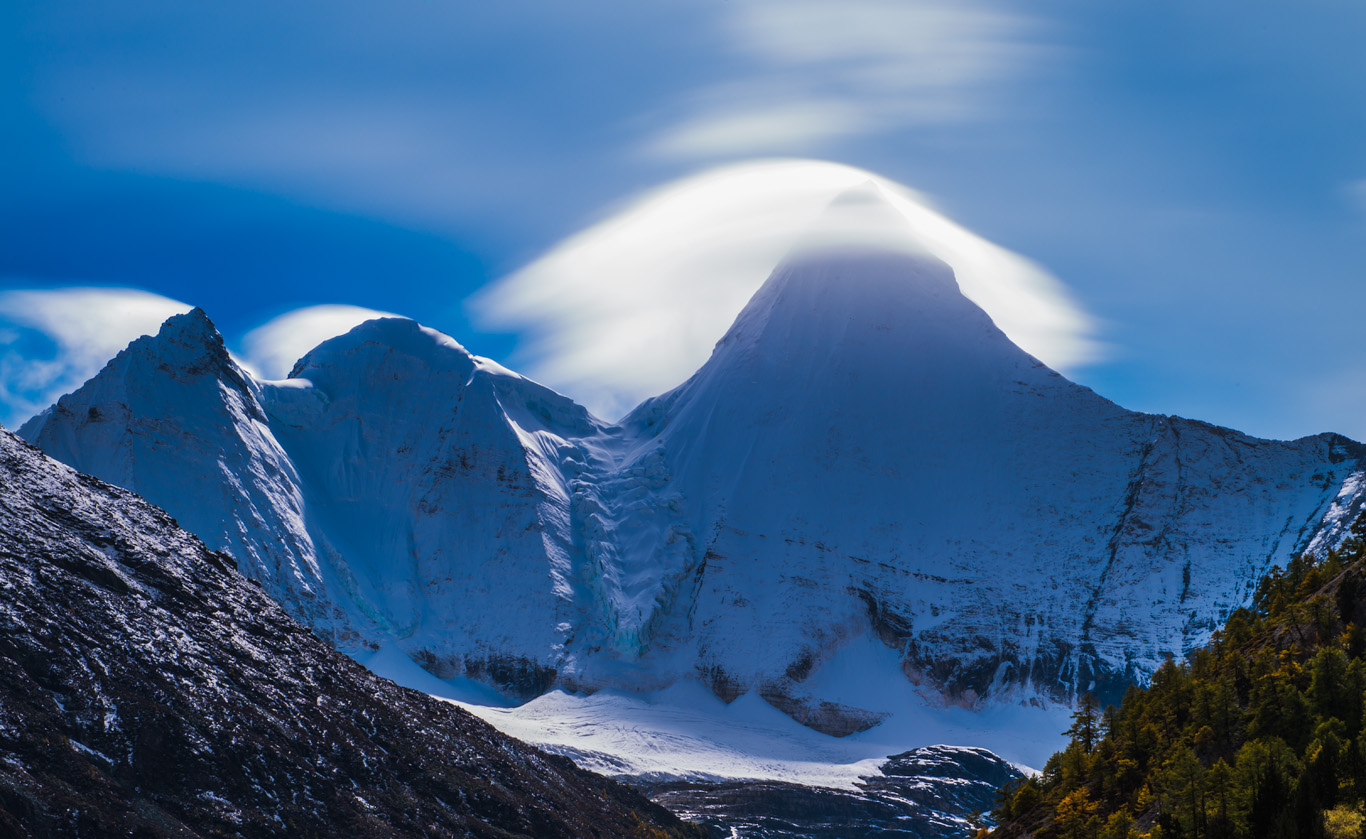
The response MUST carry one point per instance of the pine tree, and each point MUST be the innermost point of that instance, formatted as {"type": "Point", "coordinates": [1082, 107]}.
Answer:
{"type": "Point", "coordinates": [1085, 728]}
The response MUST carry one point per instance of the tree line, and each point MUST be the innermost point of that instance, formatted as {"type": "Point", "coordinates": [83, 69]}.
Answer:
{"type": "Point", "coordinates": [1258, 735]}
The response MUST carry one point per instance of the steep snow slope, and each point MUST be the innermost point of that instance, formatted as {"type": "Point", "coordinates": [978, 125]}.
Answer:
{"type": "Point", "coordinates": [435, 480]}
{"type": "Point", "coordinates": [866, 451]}
{"type": "Point", "coordinates": [148, 689]}
{"type": "Point", "coordinates": [865, 460]}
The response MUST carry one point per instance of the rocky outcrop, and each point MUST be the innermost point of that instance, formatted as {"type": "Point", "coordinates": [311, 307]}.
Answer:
{"type": "Point", "coordinates": [937, 792]}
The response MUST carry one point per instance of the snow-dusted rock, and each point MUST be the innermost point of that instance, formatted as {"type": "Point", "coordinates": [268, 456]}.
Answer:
{"type": "Point", "coordinates": [148, 689]}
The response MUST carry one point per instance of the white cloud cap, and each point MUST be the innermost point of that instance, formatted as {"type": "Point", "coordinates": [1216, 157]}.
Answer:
{"type": "Point", "coordinates": [271, 349]}
{"type": "Point", "coordinates": [53, 340]}
{"type": "Point", "coordinates": [633, 305]}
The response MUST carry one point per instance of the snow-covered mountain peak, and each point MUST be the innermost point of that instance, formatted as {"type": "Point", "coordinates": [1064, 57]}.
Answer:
{"type": "Point", "coordinates": [191, 329]}
{"type": "Point", "coordinates": [387, 336]}
{"type": "Point", "coordinates": [173, 418]}
{"type": "Point", "coordinates": [187, 345]}
{"type": "Point", "coordinates": [881, 349]}
{"type": "Point", "coordinates": [826, 298]}
{"type": "Point", "coordinates": [188, 350]}
{"type": "Point", "coordinates": [862, 291]}
{"type": "Point", "coordinates": [377, 362]}
{"type": "Point", "coordinates": [916, 471]}
{"type": "Point", "coordinates": [867, 471]}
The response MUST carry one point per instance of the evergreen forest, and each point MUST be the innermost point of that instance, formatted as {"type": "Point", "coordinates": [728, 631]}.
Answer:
{"type": "Point", "coordinates": [1259, 735]}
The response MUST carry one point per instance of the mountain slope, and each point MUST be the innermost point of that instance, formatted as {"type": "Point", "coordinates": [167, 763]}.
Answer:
{"type": "Point", "coordinates": [865, 458]}
{"type": "Point", "coordinates": [146, 688]}
{"type": "Point", "coordinates": [436, 493]}
{"type": "Point", "coordinates": [916, 472]}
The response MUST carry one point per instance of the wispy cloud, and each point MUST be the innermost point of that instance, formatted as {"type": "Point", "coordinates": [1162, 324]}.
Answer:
{"type": "Point", "coordinates": [429, 116]}
{"type": "Point", "coordinates": [765, 129]}
{"type": "Point", "coordinates": [632, 306]}
{"type": "Point", "coordinates": [826, 69]}
{"type": "Point", "coordinates": [53, 340]}
{"type": "Point", "coordinates": [1355, 193]}
{"type": "Point", "coordinates": [271, 349]}
{"type": "Point", "coordinates": [388, 121]}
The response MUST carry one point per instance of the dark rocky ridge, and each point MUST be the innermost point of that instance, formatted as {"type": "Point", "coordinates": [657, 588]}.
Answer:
{"type": "Point", "coordinates": [148, 689]}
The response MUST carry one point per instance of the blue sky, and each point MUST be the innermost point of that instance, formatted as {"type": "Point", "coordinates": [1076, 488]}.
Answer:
{"type": "Point", "coordinates": [1193, 176]}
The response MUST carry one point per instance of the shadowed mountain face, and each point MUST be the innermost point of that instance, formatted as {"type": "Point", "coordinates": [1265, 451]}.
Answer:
{"type": "Point", "coordinates": [864, 456]}
{"type": "Point", "coordinates": [148, 689]}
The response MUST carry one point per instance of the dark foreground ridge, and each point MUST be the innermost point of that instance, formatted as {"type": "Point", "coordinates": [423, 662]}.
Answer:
{"type": "Point", "coordinates": [147, 689]}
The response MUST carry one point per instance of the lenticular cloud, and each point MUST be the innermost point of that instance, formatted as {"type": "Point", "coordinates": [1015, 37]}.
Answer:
{"type": "Point", "coordinates": [633, 305]}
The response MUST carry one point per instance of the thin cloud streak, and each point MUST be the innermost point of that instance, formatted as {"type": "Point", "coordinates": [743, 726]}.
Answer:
{"type": "Point", "coordinates": [792, 126]}
{"type": "Point", "coordinates": [824, 70]}
{"type": "Point", "coordinates": [632, 306]}
{"type": "Point", "coordinates": [53, 340]}
{"type": "Point", "coordinates": [422, 116]}
{"type": "Point", "coordinates": [1356, 196]}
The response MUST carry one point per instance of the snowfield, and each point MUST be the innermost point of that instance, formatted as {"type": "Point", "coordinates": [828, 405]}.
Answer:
{"type": "Point", "coordinates": [686, 733]}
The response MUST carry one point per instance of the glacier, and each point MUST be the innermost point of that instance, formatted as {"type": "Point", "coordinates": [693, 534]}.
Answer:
{"type": "Point", "coordinates": [867, 498]}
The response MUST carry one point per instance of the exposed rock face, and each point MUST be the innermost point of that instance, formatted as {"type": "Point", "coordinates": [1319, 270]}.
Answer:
{"type": "Point", "coordinates": [865, 455]}
{"type": "Point", "coordinates": [148, 689]}
{"type": "Point", "coordinates": [928, 792]}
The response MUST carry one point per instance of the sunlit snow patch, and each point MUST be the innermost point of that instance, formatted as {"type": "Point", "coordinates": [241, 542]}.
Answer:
{"type": "Point", "coordinates": [687, 733]}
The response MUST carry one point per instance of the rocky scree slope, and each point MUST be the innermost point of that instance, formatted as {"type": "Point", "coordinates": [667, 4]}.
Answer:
{"type": "Point", "coordinates": [865, 455]}
{"type": "Point", "coordinates": [148, 689]}
{"type": "Point", "coordinates": [926, 793]}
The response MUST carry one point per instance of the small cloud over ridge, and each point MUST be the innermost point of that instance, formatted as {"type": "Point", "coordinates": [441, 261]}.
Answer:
{"type": "Point", "coordinates": [54, 340]}
{"type": "Point", "coordinates": [271, 349]}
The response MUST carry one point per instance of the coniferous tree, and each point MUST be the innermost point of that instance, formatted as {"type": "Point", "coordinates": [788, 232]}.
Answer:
{"type": "Point", "coordinates": [1085, 723]}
